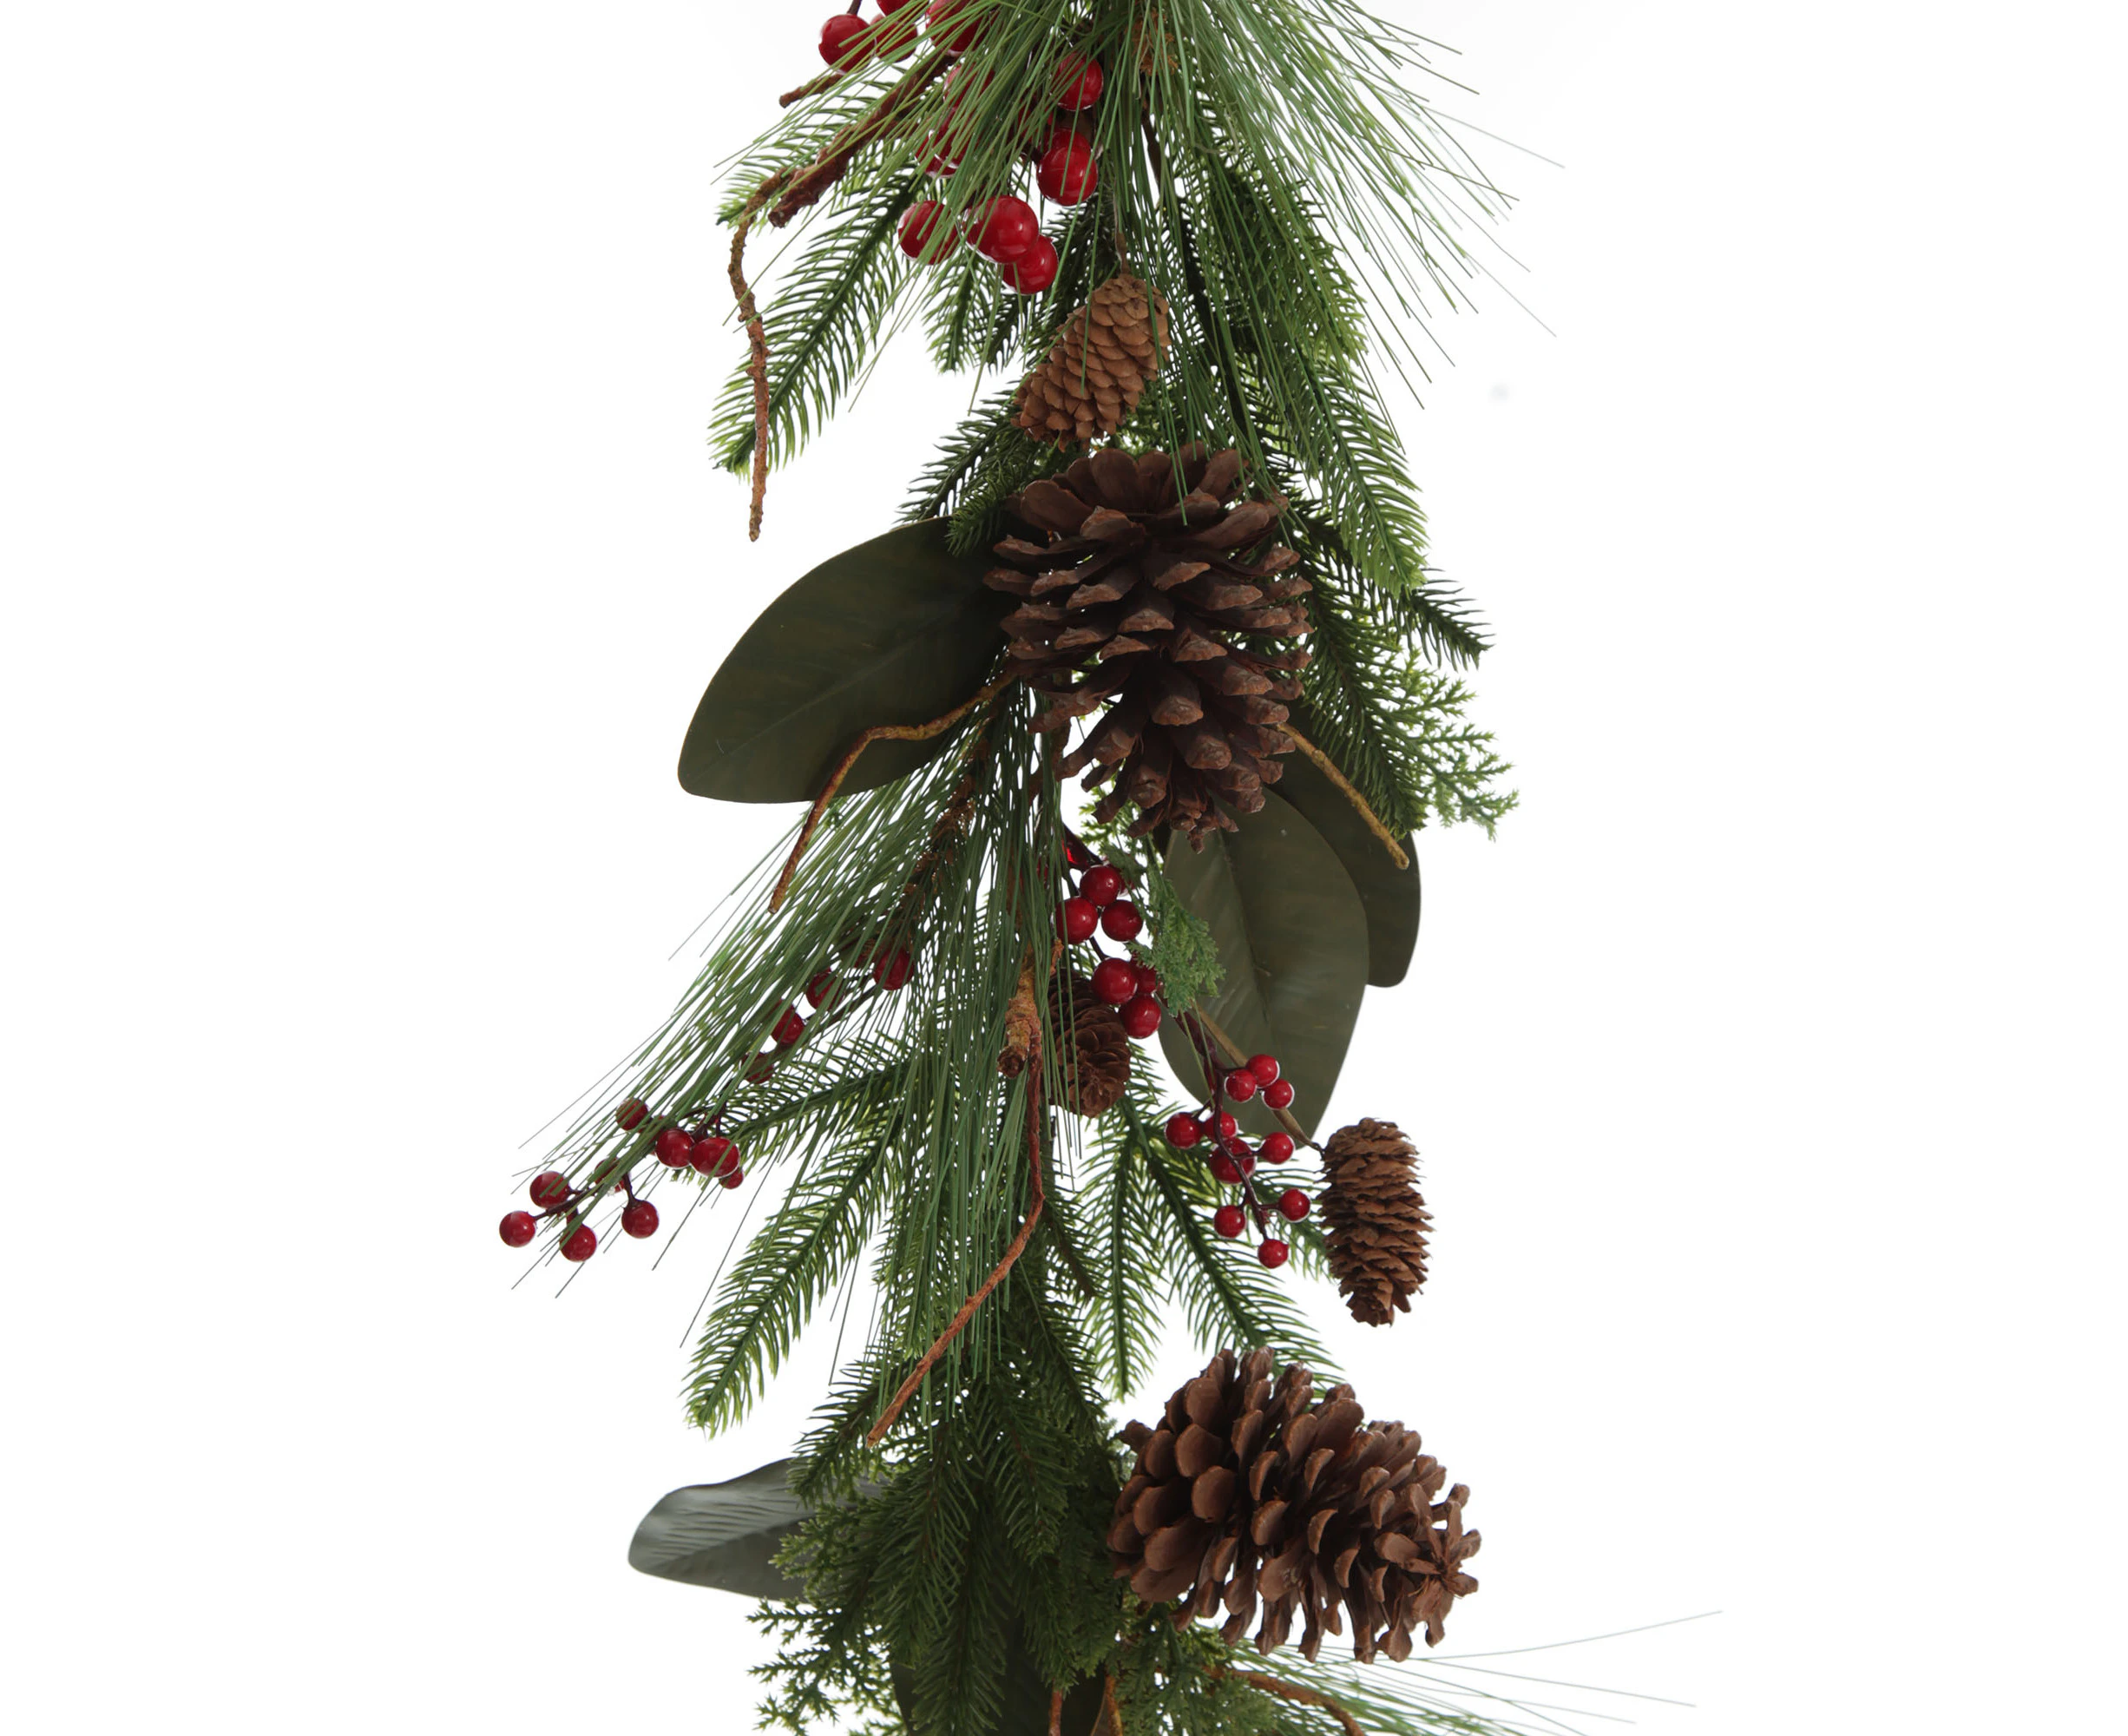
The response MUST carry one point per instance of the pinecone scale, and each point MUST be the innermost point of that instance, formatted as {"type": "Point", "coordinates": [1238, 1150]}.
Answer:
{"type": "Point", "coordinates": [1375, 1219]}
{"type": "Point", "coordinates": [1097, 369]}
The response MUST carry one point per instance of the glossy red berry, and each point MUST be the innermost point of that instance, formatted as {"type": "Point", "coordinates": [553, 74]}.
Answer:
{"type": "Point", "coordinates": [925, 235]}
{"type": "Point", "coordinates": [819, 988]}
{"type": "Point", "coordinates": [1244, 1160]}
{"type": "Point", "coordinates": [891, 976]}
{"type": "Point", "coordinates": [518, 1228]}
{"type": "Point", "coordinates": [890, 7]}
{"type": "Point", "coordinates": [1067, 174]}
{"type": "Point", "coordinates": [1240, 1084]}
{"type": "Point", "coordinates": [1004, 229]}
{"type": "Point", "coordinates": [836, 37]}
{"type": "Point", "coordinates": [1265, 1067]}
{"type": "Point", "coordinates": [630, 1114]}
{"type": "Point", "coordinates": [945, 153]}
{"type": "Point", "coordinates": [712, 1154]}
{"type": "Point", "coordinates": [733, 1176]}
{"type": "Point", "coordinates": [550, 1189]}
{"type": "Point", "coordinates": [1034, 270]}
{"type": "Point", "coordinates": [1148, 979]}
{"type": "Point", "coordinates": [1277, 1148]}
{"type": "Point", "coordinates": [1076, 920]}
{"type": "Point", "coordinates": [673, 1147]}
{"type": "Point", "coordinates": [761, 1071]}
{"type": "Point", "coordinates": [943, 17]}
{"type": "Point", "coordinates": [609, 1173]}
{"type": "Point", "coordinates": [641, 1219]}
{"type": "Point", "coordinates": [1122, 920]}
{"type": "Point", "coordinates": [1273, 1253]}
{"type": "Point", "coordinates": [1184, 1130]}
{"type": "Point", "coordinates": [1080, 80]}
{"type": "Point", "coordinates": [1227, 1125]}
{"type": "Point", "coordinates": [1223, 1166]}
{"type": "Point", "coordinates": [1142, 1017]}
{"type": "Point", "coordinates": [1294, 1204]}
{"type": "Point", "coordinates": [1229, 1221]}
{"type": "Point", "coordinates": [1100, 885]}
{"type": "Point", "coordinates": [1279, 1094]}
{"type": "Point", "coordinates": [1114, 980]}
{"type": "Point", "coordinates": [581, 1244]}
{"type": "Point", "coordinates": [789, 1028]}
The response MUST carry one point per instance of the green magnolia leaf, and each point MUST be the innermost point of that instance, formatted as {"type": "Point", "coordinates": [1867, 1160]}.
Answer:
{"type": "Point", "coordinates": [1389, 894]}
{"type": "Point", "coordinates": [723, 1535]}
{"type": "Point", "coordinates": [897, 630]}
{"type": "Point", "coordinates": [1293, 935]}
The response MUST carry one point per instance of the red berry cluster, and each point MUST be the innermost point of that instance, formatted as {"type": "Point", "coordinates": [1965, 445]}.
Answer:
{"type": "Point", "coordinates": [1098, 905]}
{"type": "Point", "coordinates": [1006, 229]}
{"type": "Point", "coordinates": [1233, 1161]}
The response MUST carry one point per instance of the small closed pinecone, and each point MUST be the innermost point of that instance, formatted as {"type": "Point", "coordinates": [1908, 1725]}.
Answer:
{"type": "Point", "coordinates": [1096, 1056]}
{"type": "Point", "coordinates": [1376, 1218]}
{"type": "Point", "coordinates": [1135, 595]}
{"type": "Point", "coordinates": [1247, 1492]}
{"type": "Point", "coordinates": [1098, 367]}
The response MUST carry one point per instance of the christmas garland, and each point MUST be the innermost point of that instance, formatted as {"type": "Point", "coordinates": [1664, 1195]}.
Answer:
{"type": "Point", "coordinates": [1174, 562]}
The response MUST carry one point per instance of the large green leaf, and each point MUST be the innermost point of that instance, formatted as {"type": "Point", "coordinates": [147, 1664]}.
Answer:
{"type": "Point", "coordinates": [1389, 894]}
{"type": "Point", "coordinates": [723, 1535]}
{"type": "Point", "coordinates": [897, 630]}
{"type": "Point", "coordinates": [1293, 935]}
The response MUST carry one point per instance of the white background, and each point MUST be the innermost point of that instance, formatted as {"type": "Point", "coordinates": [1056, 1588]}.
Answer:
{"type": "Point", "coordinates": [363, 566]}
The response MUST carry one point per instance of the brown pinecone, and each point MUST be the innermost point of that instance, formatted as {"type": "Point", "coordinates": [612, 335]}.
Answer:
{"type": "Point", "coordinates": [1135, 596]}
{"type": "Point", "coordinates": [1098, 365]}
{"type": "Point", "coordinates": [1376, 1218]}
{"type": "Point", "coordinates": [1097, 1055]}
{"type": "Point", "coordinates": [1248, 1492]}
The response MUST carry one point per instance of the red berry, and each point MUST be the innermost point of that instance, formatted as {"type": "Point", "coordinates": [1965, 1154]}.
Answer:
{"type": "Point", "coordinates": [1294, 1204]}
{"type": "Point", "coordinates": [1142, 1017]}
{"type": "Point", "coordinates": [1279, 1094]}
{"type": "Point", "coordinates": [609, 1173]}
{"type": "Point", "coordinates": [945, 153]}
{"type": "Point", "coordinates": [1101, 885]}
{"type": "Point", "coordinates": [1227, 1124]}
{"type": "Point", "coordinates": [733, 1176]}
{"type": "Point", "coordinates": [1122, 920]}
{"type": "Point", "coordinates": [1273, 1253]}
{"type": "Point", "coordinates": [789, 1028]}
{"type": "Point", "coordinates": [712, 1154]}
{"type": "Point", "coordinates": [582, 1245]}
{"type": "Point", "coordinates": [1184, 1130]}
{"type": "Point", "coordinates": [1076, 920]}
{"type": "Point", "coordinates": [518, 1228]}
{"type": "Point", "coordinates": [1225, 1168]}
{"type": "Point", "coordinates": [760, 1072]}
{"type": "Point", "coordinates": [1004, 229]}
{"type": "Point", "coordinates": [1240, 1084]}
{"type": "Point", "coordinates": [954, 38]}
{"type": "Point", "coordinates": [1034, 270]}
{"type": "Point", "coordinates": [1067, 174]}
{"type": "Point", "coordinates": [836, 37]}
{"type": "Point", "coordinates": [641, 1219]}
{"type": "Point", "coordinates": [1265, 1067]}
{"type": "Point", "coordinates": [1229, 1221]}
{"type": "Point", "coordinates": [673, 1147]}
{"type": "Point", "coordinates": [1080, 80]}
{"type": "Point", "coordinates": [630, 1114]}
{"type": "Point", "coordinates": [550, 1189]}
{"type": "Point", "coordinates": [1277, 1148]}
{"type": "Point", "coordinates": [923, 238]}
{"type": "Point", "coordinates": [890, 7]}
{"type": "Point", "coordinates": [820, 987]}
{"type": "Point", "coordinates": [1148, 979]}
{"type": "Point", "coordinates": [1114, 980]}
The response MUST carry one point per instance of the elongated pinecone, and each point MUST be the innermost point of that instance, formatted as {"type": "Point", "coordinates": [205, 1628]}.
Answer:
{"type": "Point", "coordinates": [1376, 1218]}
{"type": "Point", "coordinates": [1246, 1491]}
{"type": "Point", "coordinates": [1097, 1056]}
{"type": "Point", "coordinates": [1098, 365]}
{"type": "Point", "coordinates": [1137, 597]}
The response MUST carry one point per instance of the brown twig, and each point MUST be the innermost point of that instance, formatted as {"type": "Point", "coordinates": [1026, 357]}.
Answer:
{"type": "Point", "coordinates": [833, 162]}
{"type": "Point", "coordinates": [1325, 764]}
{"type": "Point", "coordinates": [1109, 1707]}
{"type": "Point", "coordinates": [885, 731]}
{"type": "Point", "coordinates": [1236, 1058]}
{"type": "Point", "coordinates": [997, 1276]}
{"type": "Point", "coordinates": [1056, 1713]}
{"type": "Point", "coordinates": [1294, 1691]}
{"type": "Point", "coordinates": [757, 342]}
{"type": "Point", "coordinates": [1022, 1024]}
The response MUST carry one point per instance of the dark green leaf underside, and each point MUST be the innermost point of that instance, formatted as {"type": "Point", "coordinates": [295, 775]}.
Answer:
{"type": "Point", "coordinates": [897, 630]}
{"type": "Point", "coordinates": [724, 1536]}
{"type": "Point", "coordinates": [1389, 894]}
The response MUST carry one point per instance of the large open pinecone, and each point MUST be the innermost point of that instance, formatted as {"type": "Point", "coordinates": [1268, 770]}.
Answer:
{"type": "Point", "coordinates": [1096, 371]}
{"type": "Point", "coordinates": [1149, 578]}
{"type": "Point", "coordinates": [1247, 1492]}
{"type": "Point", "coordinates": [1376, 1218]}
{"type": "Point", "coordinates": [1096, 1058]}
